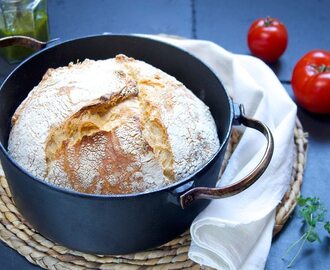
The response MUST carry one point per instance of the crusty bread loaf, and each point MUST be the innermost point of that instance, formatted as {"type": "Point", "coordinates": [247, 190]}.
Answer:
{"type": "Point", "coordinates": [111, 127]}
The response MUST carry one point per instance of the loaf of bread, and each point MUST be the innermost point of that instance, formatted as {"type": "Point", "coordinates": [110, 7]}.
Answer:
{"type": "Point", "coordinates": [112, 126]}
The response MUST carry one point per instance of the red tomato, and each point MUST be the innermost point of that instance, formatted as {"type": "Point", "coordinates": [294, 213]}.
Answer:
{"type": "Point", "coordinates": [311, 81]}
{"type": "Point", "coordinates": [267, 39]}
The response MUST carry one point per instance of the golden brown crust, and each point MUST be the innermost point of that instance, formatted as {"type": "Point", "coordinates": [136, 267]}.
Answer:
{"type": "Point", "coordinates": [112, 162]}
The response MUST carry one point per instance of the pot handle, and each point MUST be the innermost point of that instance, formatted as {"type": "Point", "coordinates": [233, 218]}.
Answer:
{"type": "Point", "coordinates": [24, 42]}
{"type": "Point", "coordinates": [216, 193]}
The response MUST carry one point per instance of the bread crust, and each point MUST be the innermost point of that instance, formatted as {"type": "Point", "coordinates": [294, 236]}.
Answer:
{"type": "Point", "coordinates": [112, 126]}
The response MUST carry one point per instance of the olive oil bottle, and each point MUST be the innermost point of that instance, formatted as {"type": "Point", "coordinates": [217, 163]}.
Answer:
{"type": "Point", "coordinates": [22, 18]}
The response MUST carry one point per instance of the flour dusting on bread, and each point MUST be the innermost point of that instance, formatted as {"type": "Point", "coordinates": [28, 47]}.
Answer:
{"type": "Point", "coordinates": [112, 126]}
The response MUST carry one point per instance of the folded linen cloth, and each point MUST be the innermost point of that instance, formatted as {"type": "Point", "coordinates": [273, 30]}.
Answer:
{"type": "Point", "coordinates": [236, 232]}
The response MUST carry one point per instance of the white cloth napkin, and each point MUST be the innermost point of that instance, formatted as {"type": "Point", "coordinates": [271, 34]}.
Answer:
{"type": "Point", "coordinates": [236, 232]}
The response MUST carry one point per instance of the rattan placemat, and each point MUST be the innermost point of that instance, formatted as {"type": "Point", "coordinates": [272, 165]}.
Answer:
{"type": "Point", "coordinates": [17, 234]}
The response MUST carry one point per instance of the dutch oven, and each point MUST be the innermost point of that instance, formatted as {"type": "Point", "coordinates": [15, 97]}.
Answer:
{"type": "Point", "coordinates": [120, 224]}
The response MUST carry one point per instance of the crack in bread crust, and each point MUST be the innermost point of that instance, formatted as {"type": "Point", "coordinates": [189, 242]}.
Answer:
{"type": "Point", "coordinates": [85, 122]}
{"type": "Point", "coordinates": [154, 131]}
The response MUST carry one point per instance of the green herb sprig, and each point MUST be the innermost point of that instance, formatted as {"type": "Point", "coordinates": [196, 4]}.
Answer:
{"type": "Point", "coordinates": [313, 213]}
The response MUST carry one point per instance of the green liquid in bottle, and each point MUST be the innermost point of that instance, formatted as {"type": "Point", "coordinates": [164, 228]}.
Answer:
{"type": "Point", "coordinates": [25, 23]}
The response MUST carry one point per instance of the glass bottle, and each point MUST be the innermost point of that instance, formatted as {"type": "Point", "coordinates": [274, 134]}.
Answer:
{"type": "Point", "coordinates": [22, 18]}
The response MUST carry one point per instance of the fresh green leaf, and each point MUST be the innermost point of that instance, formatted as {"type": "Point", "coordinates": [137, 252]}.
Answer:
{"type": "Point", "coordinates": [301, 201]}
{"type": "Point", "coordinates": [312, 212]}
{"type": "Point", "coordinates": [313, 236]}
{"type": "Point", "coordinates": [327, 226]}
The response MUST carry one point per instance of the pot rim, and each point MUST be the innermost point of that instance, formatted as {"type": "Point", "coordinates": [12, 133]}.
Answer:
{"type": "Point", "coordinates": [130, 195]}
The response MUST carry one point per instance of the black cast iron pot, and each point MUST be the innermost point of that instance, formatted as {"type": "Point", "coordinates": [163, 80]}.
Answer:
{"type": "Point", "coordinates": [119, 224]}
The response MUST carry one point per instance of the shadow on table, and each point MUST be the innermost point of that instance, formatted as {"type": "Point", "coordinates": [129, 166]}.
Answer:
{"type": "Point", "coordinates": [317, 126]}
{"type": "Point", "coordinates": [276, 67]}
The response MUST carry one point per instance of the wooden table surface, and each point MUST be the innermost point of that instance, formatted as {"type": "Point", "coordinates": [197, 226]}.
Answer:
{"type": "Point", "coordinates": [225, 22]}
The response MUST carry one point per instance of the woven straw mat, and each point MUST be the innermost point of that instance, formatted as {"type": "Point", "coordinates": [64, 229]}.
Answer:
{"type": "Point", "coordinates": [17, 234]}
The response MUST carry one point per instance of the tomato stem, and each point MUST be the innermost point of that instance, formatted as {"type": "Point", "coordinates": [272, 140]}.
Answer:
{"type": "Point", "coordinates": [321, 68]}
{"type": "Point", "coordinates": [268, 21]}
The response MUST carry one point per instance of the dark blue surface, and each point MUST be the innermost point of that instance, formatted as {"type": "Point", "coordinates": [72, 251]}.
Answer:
{"type": "Point", "coordinates": [226, 23]}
